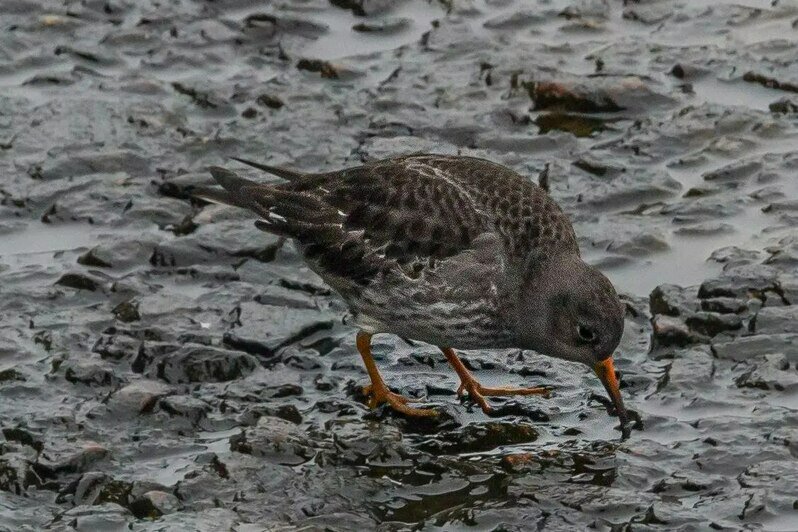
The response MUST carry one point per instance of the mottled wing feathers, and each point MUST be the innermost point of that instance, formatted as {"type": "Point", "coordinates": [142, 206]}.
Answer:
{"type": "Point", "coordinates": [403, 215]}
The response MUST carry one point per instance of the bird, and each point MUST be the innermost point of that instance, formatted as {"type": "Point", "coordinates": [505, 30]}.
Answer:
{"type": "Point", "coordinates": [450, 250]}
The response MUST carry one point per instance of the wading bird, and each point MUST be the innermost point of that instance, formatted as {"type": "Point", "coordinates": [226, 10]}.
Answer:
{"type": "Point", "coordinates": [454, 251]}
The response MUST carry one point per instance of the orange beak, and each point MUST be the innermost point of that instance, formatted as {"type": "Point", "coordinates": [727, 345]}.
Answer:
{"type": "Point", "coordinates": [606, 373]}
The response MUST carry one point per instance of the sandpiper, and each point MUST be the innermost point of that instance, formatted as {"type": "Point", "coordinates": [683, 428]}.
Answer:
{"type": "Point", "coordinates": [454, 251]}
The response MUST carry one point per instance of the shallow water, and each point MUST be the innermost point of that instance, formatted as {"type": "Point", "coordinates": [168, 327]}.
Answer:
{"type": "Point", "coordinates": [166, 366]}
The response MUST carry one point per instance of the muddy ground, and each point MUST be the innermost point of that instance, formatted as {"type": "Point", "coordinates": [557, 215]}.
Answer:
{"type": "Point", "coordinates": [166, 366]}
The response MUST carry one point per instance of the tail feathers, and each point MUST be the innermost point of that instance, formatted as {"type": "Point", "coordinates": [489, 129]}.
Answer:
{"type": "Point", "coordinates": [290, 175]}
{"type": "Point", "coordinates": [229, 180]}
{"type": "Point", "coordinates": [288, 213]}
{"type": "Point", "coordinates": [214, 195]}
{"type": "Point", "coordinates": [306, 232]}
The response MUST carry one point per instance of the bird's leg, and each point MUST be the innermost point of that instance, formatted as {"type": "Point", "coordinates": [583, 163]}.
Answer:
{"type": "Point", "coordinates": [377, 391]}
{"type": "Point", "coordinates": [476, 391]}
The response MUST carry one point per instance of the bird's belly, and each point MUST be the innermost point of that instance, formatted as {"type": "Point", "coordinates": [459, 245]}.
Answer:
{"type": "Point", "coordinates": [461, 325]}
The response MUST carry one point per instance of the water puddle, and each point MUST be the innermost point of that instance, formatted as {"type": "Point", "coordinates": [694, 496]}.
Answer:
{"type": "Point", "coordinates": [405, 24]}
{"type": "Point", "coordinates": [736, 93]}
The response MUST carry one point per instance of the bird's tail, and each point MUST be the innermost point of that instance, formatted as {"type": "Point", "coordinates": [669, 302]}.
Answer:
{"type": "Point", "coordinates": [283, 212]}
{"type": "Point", "coordinates": [233, 191]}
{"type": "Point", "coordinates": [289, 175]}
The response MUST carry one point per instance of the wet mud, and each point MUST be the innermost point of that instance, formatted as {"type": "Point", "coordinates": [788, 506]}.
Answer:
{"type": "Point", "coordinates": [166, 366]}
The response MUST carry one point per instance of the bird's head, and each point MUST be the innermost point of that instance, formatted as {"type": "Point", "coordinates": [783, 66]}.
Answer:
{"type": "Point", "coordinates": [570, 310]}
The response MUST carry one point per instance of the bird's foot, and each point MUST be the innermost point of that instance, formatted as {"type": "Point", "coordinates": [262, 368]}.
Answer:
{"type": "Point", "coordinates": [381, 394]}
{"type": "Point", "coordinates": [477, 392]}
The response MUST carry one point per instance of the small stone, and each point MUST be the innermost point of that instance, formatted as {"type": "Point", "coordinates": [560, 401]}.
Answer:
{"type": "Point", "coordinates": [385, 26]}
{"type": "Point", "coordinates": [711, 323]}
{"type": "Point", "coordinates": [275, 440]}
{"type": "Point", "coordinates": [185, 406]}
{"type": "Point", "coordinates": [776, 320]}
{"type": "Point", "coordinates": [784, 105]}
{"type": "Point", "coordinates": [139, 396]}
{"type": "Point", "coordinates": [91, 259]}
{"type": "Point", "coordinates": [769, 372]}
{"type": "Point", "coordinates": [747, 347]}
{"type": "Point", "coordinates": [74, 461]}
{"type": "Point", "coordinates": [671, 300]}
{"type": "Point", "coordinates": [89, 487]}
{"type": "Point", "coordinates": [154, 504]}
{"type": "Point", "coordinates": [672, 331]}
{"type": "Point", "coordinates": [22, 435]}
{"type": "Point", "coordinates": [518, 462]}
{"type": "Point", "coordinates": [127, 311]}
{"type": "Point", "coordinates": [89, 373]}
{"type": "Point", "coordinates": [724, 305]}
{"type": "Point", "coordinates": [17, 473]}
{"type": "Point", "coordinates": [78, 281]}
{"type": "Point", "coordinates": [270, 101]}
{"type": "Point", "coordinates": [194, 363]}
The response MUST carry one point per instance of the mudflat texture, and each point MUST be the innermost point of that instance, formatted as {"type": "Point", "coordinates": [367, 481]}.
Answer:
{"type": "Point", "coordinates": [166, 366]}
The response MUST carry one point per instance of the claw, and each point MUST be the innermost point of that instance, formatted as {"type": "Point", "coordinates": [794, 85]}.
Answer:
{"type": "Point", "coordinates": [380, 394]}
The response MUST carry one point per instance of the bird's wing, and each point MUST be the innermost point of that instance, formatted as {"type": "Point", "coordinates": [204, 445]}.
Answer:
{"type": "Point", "coordinates": [396, 215]}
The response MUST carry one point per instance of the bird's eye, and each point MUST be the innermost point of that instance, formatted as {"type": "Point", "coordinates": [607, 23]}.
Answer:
{"type": "Point", "coordinates": [586, 334]}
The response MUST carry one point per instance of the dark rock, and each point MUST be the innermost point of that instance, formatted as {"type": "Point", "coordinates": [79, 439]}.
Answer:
{"type": "Point", "coordinates": [711, 323]}
{"type": "Point", "coordinates": [784, 105]}
{"type": "Point", "coordinates": [89, 487]}
{"type": "Point", "coordinates": [769, 372]}
{"type": "Point", "coordinates": [154, 504]}
{"type": "Point", "coordinates": [10, 374]}
{"type": "Point", "coordinates": [358, 442]}
{"type": "Point", "coordinates": [22, 435]}
{"type": "Point", "coordinates": [265, 329]}
{"type": "Point", "coordinates": [747, 347]}
{"type": "Point", "coordinates": [138, 397]}
{"type": "Point", "coordinates": [673, 331]}
{"type": "Point", "coordinates": [89, 373]}
{"type": "Point", "coordinates": [324, 68]}
{"type": "Point", "coordinates": [91, 259]}
{"type": "Point", "coordinates": [72, 460]}
{"type": "Point", "coordinates": [127, 311]}
{"type": "Point", "coordinates": [386, 26]}
{"type": "Point", "coordinates": [17, 473]}
{"type": "Point", "coordinates": [548, 95]}
{"type": "Point", "coordinates": [275, 440]}
{"type": "Point", "coordinates": [671, 300]}
{"type": "Point", "coordinates": [363, 8]}
{"type": "Point", "coordinates": [578, 125]}
{"type": "Point", "coordinates": [770, 82]}
{"type": "Point", "coordinates": [269, 100]}
{"type": "Point", "coordinates": [190, 408]}
{"type": "Point", "coordinates": [776, 320]}
{"type": "Point", "coordinates": [193, 363]}
{"type": "Point", "coordinates": [724, 305]}
{"type": "Point", "coordinates": [740, 286]}
{"type": "Point", "coordinates": [116, 347]}
{"type": "Point", "coordinates": [597, 168]}
{"type": "Point", "coordinates": [78, 281]}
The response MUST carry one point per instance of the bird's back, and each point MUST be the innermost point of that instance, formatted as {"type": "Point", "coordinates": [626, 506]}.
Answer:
{"type": "Point", "coordinates": [447, 189]}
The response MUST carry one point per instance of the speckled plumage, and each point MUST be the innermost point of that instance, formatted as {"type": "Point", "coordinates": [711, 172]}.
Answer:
{"type": "Point", "coordinates": [424, 246]}
{"type": "Point", "coordinates": [454, 251]}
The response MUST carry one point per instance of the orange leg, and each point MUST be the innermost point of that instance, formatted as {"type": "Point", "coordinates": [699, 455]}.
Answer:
{"type": "Point", "coordinates": [378, 391]}
{"type": "Point", "coordinates": [476, 391]}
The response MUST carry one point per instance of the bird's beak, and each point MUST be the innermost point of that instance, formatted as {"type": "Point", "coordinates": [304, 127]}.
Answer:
{"type": "Point", "coordinates": [606, 373]}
